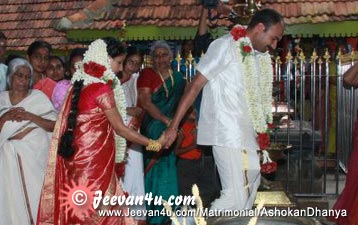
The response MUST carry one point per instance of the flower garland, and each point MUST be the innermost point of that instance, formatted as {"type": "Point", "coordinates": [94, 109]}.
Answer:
{"type": "Point", "coordinates": [96, 68]}
{"type": "Point", "coordinates": [258, 85]}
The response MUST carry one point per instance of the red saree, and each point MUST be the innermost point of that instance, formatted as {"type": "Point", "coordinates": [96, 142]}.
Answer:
{"type": "Point", "coordinates": [92, 163]}
{"type": "Point", "coordinates": [348, 199]}
{"type": "Point", "coordinates": [149, 79]}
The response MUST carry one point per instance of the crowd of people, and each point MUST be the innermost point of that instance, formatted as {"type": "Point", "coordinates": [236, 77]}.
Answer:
{"type": "Point", "coordinates": [106, 122]}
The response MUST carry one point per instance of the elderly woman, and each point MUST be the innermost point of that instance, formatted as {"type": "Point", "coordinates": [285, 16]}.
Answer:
{"type": "Point", "coordinates": [159, 92]}
{"type": "Point", "coordinates": [26, 118]}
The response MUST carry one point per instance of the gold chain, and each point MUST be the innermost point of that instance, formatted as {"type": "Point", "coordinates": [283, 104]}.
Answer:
{"type": "Point", "coordinates": [164, 84]}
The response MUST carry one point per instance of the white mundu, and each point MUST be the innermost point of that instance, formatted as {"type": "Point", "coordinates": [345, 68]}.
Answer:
{"type": "Point", "coordinates": [133, 180]}
{"type": "Point", "coordinates": [226, 125]}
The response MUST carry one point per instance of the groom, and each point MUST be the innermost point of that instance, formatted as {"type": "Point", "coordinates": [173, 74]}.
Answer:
{"type": "Point", "coordinates": [236, 77]}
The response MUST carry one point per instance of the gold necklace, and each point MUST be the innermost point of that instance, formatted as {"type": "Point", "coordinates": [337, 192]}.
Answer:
{"type": "Point", "coordinates": [164, 84]}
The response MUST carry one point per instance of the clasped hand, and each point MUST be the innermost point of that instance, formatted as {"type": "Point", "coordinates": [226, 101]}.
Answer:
{"type": "Point", "coordinates": [167, 138]}
{"type": "Point", "coordinates": [17, 114]}
{"type": "Point", "coordinates": [171, 135]}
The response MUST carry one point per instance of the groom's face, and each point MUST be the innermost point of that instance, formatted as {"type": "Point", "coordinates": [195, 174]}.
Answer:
{"type": "Point", "coordinates": [267, 38]}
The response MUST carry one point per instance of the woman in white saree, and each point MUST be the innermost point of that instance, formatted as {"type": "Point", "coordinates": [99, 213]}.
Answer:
{"type": "Point", "coordinates": [26, 119]}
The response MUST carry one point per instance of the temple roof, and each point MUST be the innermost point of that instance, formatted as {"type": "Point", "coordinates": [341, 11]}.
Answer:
{"type": "Point", "coordinates": [24, 21]}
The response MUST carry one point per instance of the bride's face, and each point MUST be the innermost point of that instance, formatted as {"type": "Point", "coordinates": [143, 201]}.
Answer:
{"type": "Point", "coordinates": [117, 63]}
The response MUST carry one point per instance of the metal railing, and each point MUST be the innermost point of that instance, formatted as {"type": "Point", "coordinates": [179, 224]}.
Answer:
{"type": "Point", "coordinates": [323, 110]}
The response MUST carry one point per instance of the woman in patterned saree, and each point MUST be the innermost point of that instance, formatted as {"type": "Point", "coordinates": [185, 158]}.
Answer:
{"type": "Point", "coordinates": [89, 139]}
{"type": "Point", "coordinates": [159, 92]}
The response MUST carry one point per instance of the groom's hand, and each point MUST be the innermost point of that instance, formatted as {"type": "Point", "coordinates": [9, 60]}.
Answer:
{"type": "Point", "coordinates": [171, 134]}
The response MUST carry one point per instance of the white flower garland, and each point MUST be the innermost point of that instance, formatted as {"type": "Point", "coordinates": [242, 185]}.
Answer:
{"type": "Point", "coordinates": [258, 86]}
{"type": "Point", "coordinates": [97, 52]}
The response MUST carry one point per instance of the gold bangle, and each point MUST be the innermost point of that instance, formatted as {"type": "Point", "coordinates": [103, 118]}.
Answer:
{"type": "Point", "coordinates": [154, 146]}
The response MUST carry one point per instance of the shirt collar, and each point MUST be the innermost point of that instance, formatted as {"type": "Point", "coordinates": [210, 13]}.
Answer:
{"type": "Point", "coordinates": [261, 54]}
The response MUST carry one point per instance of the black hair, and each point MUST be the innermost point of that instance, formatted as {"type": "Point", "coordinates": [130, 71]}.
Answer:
{"type": "Point", "coordinates": [58, 58]}
{"type": "Point", "coordinates": [11, 57]}
{"type": "Point", "coordinates": [77, 52]}
{"type": "Point", "coordinates": [133, 51]}
{"type": "Point", "coordinates": [74, 53]}
{"type": "Point", "coordinates": [186, 41]}
{"type": "Point", "coordinates": [36, 45]}
{"type": "Point", "coordinates": [342, 44]}
{"type": "Point", "coordinates": [65, 148]}
{"type": "Point", "coordinates": [268, 17]}
{"type": "Point", "coordinates": [114, 47]}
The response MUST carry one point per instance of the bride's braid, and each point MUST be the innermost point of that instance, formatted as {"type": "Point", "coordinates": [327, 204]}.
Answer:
{"type": "Point", "coordinates": [65, 148]}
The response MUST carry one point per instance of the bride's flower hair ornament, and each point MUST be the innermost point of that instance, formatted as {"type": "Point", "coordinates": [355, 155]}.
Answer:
{"type": "Point", "coordinates": [95, 66]}
{"type": "Point", "coordinates": [94, 69]}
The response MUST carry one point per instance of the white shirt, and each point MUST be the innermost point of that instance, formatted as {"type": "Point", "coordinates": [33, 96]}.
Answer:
{"type": "Point", "coordinates": [130, 92]}
{"type": "Point", "coordinates": [224, 113]}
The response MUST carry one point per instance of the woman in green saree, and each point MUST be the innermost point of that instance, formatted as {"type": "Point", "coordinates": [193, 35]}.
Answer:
{"type": "Point", "coordinates": [159, 92]}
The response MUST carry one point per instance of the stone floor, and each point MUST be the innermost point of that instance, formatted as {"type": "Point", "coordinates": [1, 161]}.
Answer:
{"type": "Point", "coordinates": [331, 187]}
{"type": "Point", "coordinates": [331, 197]}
